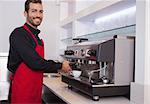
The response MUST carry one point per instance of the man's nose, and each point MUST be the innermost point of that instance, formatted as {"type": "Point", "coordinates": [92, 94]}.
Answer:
{"type": "Point", "coordinates": [39, 14]}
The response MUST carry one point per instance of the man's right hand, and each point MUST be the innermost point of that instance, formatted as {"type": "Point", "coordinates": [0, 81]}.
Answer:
{"type": "Point", "coordinates": [66, 67]}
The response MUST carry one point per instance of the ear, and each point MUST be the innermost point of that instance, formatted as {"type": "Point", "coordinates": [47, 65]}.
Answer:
{"type": "Point", "coordinates": [25, 14]}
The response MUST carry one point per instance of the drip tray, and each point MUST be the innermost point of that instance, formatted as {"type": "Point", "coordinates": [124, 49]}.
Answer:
{"type": "Point", "coordinates": [95, 90]}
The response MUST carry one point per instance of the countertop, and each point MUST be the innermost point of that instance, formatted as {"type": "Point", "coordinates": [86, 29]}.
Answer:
{"type": "Point", "coordinates": [75, 97]}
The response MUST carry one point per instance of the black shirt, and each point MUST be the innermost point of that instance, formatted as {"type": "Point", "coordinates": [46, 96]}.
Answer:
{"type": "Point", "coordinates": [22, 49]}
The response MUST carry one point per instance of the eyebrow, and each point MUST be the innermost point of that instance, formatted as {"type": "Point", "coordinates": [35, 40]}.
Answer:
{"type": "Point", "coordinates": [36, 9]}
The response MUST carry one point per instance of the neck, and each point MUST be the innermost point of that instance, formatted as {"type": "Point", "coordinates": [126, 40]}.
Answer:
{"type": "Point", "coordinates": [35, 27]}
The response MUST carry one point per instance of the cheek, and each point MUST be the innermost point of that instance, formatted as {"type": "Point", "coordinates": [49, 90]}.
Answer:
{"type": "Point", "coordinates": [29, 18]}
{"type": "Point", "coordinates": [42, 17]}
{"type": "Point", "coordinates": [31, 15]}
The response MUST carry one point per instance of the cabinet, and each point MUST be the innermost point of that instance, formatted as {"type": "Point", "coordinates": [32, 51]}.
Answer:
{"type": "Point", "coordinates": [4, 77]}
{"type": "Point", "coordinates": [96, 19]}
{"type": "Point", "coordinates": [48, 97]}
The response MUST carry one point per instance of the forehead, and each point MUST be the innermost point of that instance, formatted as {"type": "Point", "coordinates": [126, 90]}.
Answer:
{"type": "Point", "coordinates": [35, 6]}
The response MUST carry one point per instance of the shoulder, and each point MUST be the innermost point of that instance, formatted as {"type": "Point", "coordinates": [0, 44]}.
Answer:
{"type": "Point", "coordinates": [19, 32]}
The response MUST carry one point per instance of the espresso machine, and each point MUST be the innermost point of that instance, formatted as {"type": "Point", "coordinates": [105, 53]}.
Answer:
{"type": "Point", "coordinates": [107, 67]}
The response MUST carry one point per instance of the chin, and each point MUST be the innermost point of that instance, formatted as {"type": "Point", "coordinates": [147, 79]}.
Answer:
{"type": "Point", "coordinates": [37, 24]}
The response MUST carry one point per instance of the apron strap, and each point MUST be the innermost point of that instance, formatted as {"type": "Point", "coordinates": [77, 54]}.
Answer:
{"type": "Point", "coordinates": [27, 29]}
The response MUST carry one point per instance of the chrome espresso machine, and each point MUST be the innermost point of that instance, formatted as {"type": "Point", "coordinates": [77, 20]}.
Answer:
{"type": "Point", "coordinates": [107, 67]}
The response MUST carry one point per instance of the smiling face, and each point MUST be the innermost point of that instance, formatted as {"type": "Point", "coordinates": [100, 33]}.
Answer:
{"type": "Point", "coordinates": [34, 15]}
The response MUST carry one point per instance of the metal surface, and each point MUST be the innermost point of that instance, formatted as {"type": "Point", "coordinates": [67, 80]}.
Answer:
{"type": "Point", "coordinates": [107, 69]}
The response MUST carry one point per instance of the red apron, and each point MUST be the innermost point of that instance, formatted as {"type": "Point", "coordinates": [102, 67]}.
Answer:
{"type": "Point", "coordinates": [26, 83]}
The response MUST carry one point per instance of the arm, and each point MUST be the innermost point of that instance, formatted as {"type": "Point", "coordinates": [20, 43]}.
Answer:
{"type": "Point", "coordinates": [25, 49]}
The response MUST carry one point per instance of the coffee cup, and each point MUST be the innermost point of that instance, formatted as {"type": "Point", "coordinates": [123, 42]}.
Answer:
{"type": "Point", "coordinates": [76, 73]}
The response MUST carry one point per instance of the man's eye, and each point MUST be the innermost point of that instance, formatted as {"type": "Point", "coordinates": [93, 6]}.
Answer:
{"type": "Point", "coordinates": [41, 11]}
{"type": "Point", "coordinates": [33, 11]}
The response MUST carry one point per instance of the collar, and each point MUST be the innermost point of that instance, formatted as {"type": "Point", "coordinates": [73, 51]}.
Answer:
{"type": "Point", "coordinates": [33, 30]}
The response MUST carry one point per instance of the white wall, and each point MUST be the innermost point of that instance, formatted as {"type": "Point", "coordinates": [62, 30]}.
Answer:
{"type": "Point", "coordinates": [63, 10]}
{"type": "Point", "coordinates": [147, 55]}
{"type": "Point", "coordinates": [141, 87]}
{"type": "Point", "coordinates": [140, 42]}
{"type": "Point", "coordinates": [50, 29]}
{"type": "Point", "coordinates": [137, 88]}
{"type": "Point", "coordinates": [11, 16]}
{"type": "Point", "coordinates": [0, 24]}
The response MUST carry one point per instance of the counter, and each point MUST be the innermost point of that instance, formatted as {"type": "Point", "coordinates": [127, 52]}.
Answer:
{"type": "Point", "coordinates": [61, 90]}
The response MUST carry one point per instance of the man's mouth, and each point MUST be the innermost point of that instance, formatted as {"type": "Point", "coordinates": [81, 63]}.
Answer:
{"type": "Point", "coordinates": [37, 19]}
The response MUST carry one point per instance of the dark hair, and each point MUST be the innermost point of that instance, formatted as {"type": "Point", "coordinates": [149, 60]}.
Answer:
{"type": "Point", "coordinates": [31, 1]}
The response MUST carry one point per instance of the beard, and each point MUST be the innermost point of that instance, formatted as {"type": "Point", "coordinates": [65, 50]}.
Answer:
{"type": "Point", "coordinates": [35, 21]}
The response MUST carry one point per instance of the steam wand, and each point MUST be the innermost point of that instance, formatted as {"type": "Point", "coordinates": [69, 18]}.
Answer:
{"type": "Point", "coordinates": [93, 71]}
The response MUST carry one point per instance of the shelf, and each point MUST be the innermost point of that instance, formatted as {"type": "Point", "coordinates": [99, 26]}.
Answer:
{"type": "Point", "coordinates": [88, 11]}
{"type": "Point", "coordinates": [103, 8]}
{"type": "Point", "coordinates": [122, 31]}
{"type": "Point", "coordinates": [98, 36]}
{"type": "Point", "coordinates": [81, 24]}
{"type": "Point", "coordinates": [95, 8]}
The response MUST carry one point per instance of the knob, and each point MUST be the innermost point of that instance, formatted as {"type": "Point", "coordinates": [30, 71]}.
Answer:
{"type": "Point", "coordinates": [91, 52]}
{"type": "Point", "coordinates": [69, 52]}
{"type": "Point", "coordinates": [82, 52]}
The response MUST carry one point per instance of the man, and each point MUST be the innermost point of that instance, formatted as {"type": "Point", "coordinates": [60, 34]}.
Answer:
{"type": "Point", "coordinates": [26, 57]}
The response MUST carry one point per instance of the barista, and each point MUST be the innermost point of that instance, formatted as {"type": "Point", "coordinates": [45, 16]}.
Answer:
{"type": "Point", "coordinates": [26, 57]}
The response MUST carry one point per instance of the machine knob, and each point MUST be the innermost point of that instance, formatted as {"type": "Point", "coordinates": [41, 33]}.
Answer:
{"type": "Point", "coordinates": [69, 52]}
{"type": "Point", "coordinates": [82, 52]}
{"type": "Point", "coordinates": [91, 52]}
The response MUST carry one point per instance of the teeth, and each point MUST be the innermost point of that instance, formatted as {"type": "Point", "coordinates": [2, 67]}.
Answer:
{"type": "Point", "coordinates": [37, 19]}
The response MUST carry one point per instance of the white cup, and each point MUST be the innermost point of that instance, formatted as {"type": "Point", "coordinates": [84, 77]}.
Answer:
{"type": "Point", "coordinates": [76, 73]}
